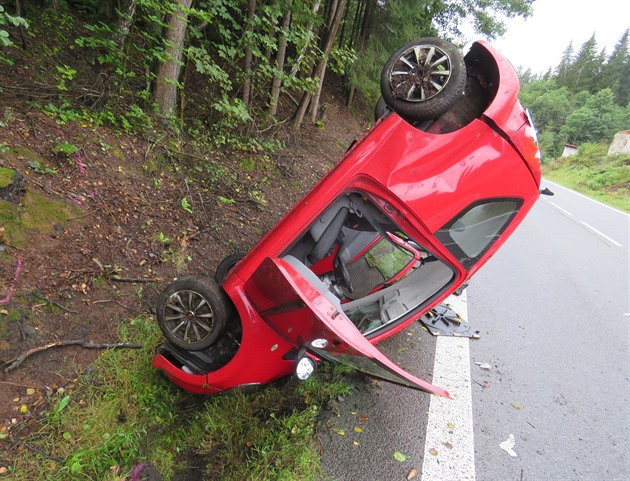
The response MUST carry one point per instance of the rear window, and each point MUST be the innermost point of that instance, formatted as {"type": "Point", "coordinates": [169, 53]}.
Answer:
{"type": "Point", "coordinates": [471, 233]}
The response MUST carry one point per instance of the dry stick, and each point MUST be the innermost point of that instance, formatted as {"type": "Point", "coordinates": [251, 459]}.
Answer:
{"type": "Point", "coordinates": [134, 279]}
{"type": "Point", "coordinates": [60, 306]}
{"type": "Point", "coordinates": [104, 301]}
{"type": "Point", "coordinates": [15, 363]}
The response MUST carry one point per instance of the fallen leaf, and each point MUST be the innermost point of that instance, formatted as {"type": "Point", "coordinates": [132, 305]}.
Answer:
{"type": "Point", "coordinates": [363, 419]}
{"type": "Point", "coordinates": [517, 406]}
{"type": "Point", "coordinates": [4, 312]}
{"type": "Point", "coordinates": [340, 432]}
{"type": "Point", "coordinates": [448, 445]}
{"type": "Point", "coordinates": [4, 435]}
{"type": "Point", "coordinates": [30, 391]}
{"type": "Point", "coordinates": [433, 452]}
{"type": "Point", "coordinates": [400, 457]}
{"type": "Point", "coordinates": [4, 470]}
{"type": "Point", "coordinates": [23, 409]}
{"type": "Point", "coordinates": [451, 425]}
{"type": "Point", "coordinates": [356, 443]}
{"type": "Point", "coordinates": [357, 429]}
{"type": "Point", "coordinates": [412, 474]}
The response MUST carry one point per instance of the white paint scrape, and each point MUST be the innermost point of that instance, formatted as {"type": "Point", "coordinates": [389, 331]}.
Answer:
{"type": "Point", "coordinates": [449, 452]}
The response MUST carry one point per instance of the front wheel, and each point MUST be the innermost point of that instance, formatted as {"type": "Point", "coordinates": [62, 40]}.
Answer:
{"type": "Point", "coordinates": [423, 79]}
{"type": "Point", "coordinates": [192, 312]}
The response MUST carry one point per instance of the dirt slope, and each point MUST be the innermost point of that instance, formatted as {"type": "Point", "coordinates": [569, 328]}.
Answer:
{"type": "Point", "coordinates": [113, 210]}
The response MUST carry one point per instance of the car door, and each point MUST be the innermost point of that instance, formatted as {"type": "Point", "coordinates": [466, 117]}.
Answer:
{"type": "Point", "coordinates": [296, 304]}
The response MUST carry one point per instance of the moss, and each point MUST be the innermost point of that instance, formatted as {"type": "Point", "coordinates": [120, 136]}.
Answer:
{"type": "Point", "coordinates": [35, 213]}
{"type": "Point", "coordinates": [21, 154]}
{"type": "Point", "coordinates": [6, 176]}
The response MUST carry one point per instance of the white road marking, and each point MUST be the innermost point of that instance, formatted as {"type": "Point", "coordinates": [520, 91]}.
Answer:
{"type": "Point", "coordinates": [588, 198]}
{"type": "Point", "coordinates": [560, 208]}
{"type": "Point", "coordinates": [601, 234]}
{"type": "Point", "coordinates": [449, 451]}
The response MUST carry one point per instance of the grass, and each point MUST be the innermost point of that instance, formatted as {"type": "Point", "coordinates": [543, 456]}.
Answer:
{"type": "Point", "coordinates": [593, 173]}
{"type": "Point", "coordinates": [124, 412]}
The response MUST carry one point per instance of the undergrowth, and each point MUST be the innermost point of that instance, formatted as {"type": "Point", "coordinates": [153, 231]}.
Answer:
{"type": "Point", "coordinates": [124, 412]}
{"type": "Point", "coordinates": [594, 173]}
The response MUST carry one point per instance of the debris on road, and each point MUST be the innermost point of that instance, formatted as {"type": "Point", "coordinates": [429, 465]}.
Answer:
{"type": "Point", "coordinates": [444, 321]}
{"type": "Point", "coordinates": [484, 365]}
{"type": "Point", "coordinates": [508, 446]}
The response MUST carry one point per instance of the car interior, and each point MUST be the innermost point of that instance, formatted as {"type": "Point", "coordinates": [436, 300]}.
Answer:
{"type": "Point", "coordinates": [375, 272]}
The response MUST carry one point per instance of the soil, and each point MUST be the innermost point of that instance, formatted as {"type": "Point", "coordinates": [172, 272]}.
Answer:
{"type": "Point", "coordinates": [112, 230]}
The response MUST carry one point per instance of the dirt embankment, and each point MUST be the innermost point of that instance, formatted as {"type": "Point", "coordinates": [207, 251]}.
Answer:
{"type": "Point", "coordinates": [103, 227]}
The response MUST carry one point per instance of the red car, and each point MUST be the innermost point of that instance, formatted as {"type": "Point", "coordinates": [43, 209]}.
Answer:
{"type": "Point", "coordinates": [403, 220]}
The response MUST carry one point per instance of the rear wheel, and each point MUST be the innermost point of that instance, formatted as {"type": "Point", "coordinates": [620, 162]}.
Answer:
{"type": "Point", "coordinates": [423, 79]}
{"type": "Point", "coordinates": [192, 312]}
{"type": "Point", "coordinates": [225, 266]}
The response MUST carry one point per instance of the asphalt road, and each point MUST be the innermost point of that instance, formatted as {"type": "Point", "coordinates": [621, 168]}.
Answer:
{"type": "Point", "coordinates": [553, 307]}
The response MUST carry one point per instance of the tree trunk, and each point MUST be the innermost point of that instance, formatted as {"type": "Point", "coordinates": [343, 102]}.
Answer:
{"type": "Point", "coordinates": [124, 23]}
{"type": "Point", "coordinates": [247, 63]}
{"type": "Point", "coordinates": [168, 72]}
{"type": "Point", "coordinates": [308, 47]}
{"type": "Point", "coordinates": [366, 24]}
{"type": "Point", "coordinates": [276, 84]}
{"type": "Point", "coordinates": [329, 40]}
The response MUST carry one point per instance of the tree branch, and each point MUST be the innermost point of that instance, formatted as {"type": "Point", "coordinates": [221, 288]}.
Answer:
{"type": "Point", "coordinates": [14, 363]}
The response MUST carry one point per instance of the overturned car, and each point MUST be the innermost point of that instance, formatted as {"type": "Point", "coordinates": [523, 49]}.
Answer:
{"type": "Point", "coordinates": [403, 220]}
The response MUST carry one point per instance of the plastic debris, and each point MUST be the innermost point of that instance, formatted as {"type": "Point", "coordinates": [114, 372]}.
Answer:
{"type": "Point", "coordinates": [444, 321]}
{"type": "Point", "coordinates": [508, 446]}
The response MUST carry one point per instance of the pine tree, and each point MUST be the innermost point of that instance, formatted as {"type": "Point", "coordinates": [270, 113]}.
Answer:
{"type": "Point", "coordinates": [584, 70]}
{"type": "Point", "coordinates": [565, 64]}
{"type": "Point", "coordinates": [617, 71]}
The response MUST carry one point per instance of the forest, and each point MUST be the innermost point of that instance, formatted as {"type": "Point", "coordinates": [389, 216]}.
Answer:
{"type": "Point", "coordinates": [585, 99]}
{"type": "Point", "coordinates": [232, 69]}
{"type": "Point", "coordinates": [222, 67]}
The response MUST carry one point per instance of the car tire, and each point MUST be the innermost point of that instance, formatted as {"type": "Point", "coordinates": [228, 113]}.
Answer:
{"type": "Point", "coordinates": [192, 312]}
{"type": "Point", "coordinates": [423, 79]}
{"type": "Point", "coordinates": [225, 266]}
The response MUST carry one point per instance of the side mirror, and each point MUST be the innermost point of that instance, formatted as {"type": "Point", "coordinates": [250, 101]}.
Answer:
{"type": "Point", "coordinates": [546, 191]}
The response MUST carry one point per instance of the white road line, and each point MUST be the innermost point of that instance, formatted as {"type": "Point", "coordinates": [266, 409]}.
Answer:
{"type": "Point", "coordinates": [601, 234]}
{"type": "Point", "coordinates": [560, 208]}
{"type": "Point", "coordinates": [588, 198]}
{"type": "Point", "coordinates": [449, 451]}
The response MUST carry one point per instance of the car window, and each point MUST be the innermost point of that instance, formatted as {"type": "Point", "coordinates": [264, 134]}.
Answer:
{"type": "Point", "coordinates": [474, 230]}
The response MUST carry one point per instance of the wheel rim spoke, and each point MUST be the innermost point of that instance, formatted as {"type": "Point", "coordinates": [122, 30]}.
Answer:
{"type": "Point", "coordinates": [437, 86]}
{"type": "Point", "coordinates": [198, 336]}
{"type": "Point", "coordinates": [407, 62]}
{"type": "Point", "coordinates": [439, 61]}
{"type": "Point", "coordinates": [429, 56]}
{"type": "Point", "coordinates": [201, 303]}
{"type": "Point", "coordinates": [178, 327]}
